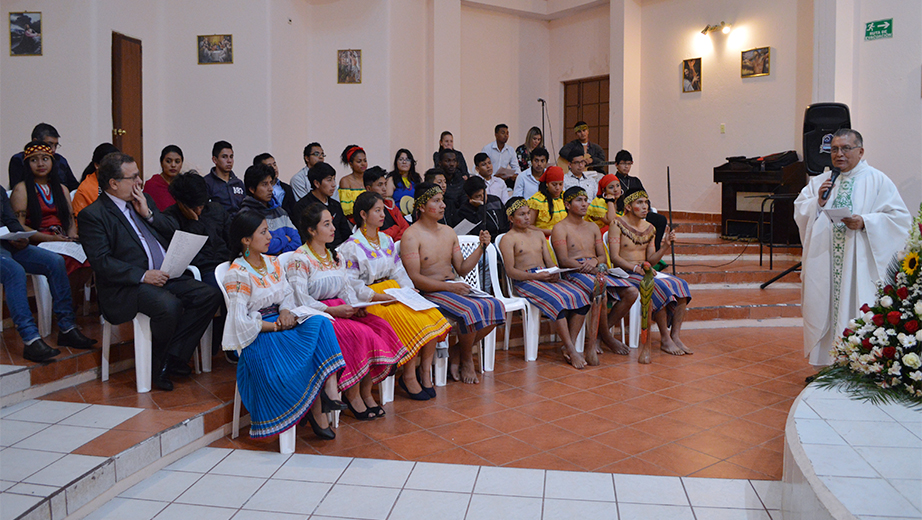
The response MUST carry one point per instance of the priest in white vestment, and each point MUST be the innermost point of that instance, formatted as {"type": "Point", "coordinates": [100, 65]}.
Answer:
{"type": "Point", "coordinates": [844, 258]}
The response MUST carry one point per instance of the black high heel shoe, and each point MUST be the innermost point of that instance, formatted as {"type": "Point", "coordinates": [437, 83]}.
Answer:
{"type": "Point", "coordinates": [422, 395]}
{"type": "Point", "coordinates": [367, 415]}
{"type": "Point", "coordinates": [328, 405]}
{"type": "Point", "coordinates": [326, 434]}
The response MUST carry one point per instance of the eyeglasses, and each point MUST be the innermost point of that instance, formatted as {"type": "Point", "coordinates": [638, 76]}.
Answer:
{"type": "Point", "coordinates": [843, 149]}
{"type": "Point", "coordinates": [319, 154]}
{"type": "Point", "coordinates": [133, 177]}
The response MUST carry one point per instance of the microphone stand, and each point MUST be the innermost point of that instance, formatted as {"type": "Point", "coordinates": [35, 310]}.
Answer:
{"type": "Point", "coordinates": [671, 228]}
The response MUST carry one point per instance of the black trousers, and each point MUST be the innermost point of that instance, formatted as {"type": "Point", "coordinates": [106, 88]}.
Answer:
{"type": "Point", "coordinates": [659, 223]}
{"type": "Point", "coordinates": [180, 311]}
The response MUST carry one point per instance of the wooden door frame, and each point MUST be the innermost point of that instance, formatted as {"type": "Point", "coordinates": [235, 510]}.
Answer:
{"type": "Point", "coordinates": [117, 109]}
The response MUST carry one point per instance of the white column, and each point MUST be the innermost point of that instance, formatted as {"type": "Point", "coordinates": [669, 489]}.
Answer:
{"type": "Point", "coordinates": [624, 76]}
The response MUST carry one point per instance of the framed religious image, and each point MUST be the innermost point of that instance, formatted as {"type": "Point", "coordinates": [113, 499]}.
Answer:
{"type": "Point", "coordinates": [349, 66]}
{"type": "Point", "coordinates": [25, 34]}
{"type": "Point", "coordinates": [215, 48]}
{"type": "Point", "coordinates": [755, 62]}
{"type": "Point", "coordinates": [691, 75]}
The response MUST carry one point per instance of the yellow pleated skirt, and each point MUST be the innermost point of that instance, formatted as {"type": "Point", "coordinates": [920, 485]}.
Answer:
{"type": "Point", "coordinates": [414, 328]}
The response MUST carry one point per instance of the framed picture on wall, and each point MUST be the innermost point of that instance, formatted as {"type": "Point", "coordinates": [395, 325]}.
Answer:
{"type": "Point", "coordinates": [349, 66]}
{"type": "Point", "coordinates": [755, 62]}
{"type": "Point", "coordinates": [691, 75]}
{"type": "Point", "coordinates": [215, 48]}
{"type": "Point", "coordinates": [25, 34]}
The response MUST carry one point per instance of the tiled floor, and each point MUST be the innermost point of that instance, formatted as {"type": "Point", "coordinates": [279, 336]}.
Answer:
{"type": "Point", "coordinates": [214, 483]}
{"type": "Point", "coordinates": [718, 413]}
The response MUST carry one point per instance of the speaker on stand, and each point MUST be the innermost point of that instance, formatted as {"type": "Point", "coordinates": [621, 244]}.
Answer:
{"type": "Point", "coordinates": [821, 121]}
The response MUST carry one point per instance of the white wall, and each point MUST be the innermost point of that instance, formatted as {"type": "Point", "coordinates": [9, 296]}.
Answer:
{"type": "Point", "coordinates": [886, 90]}
{"type": "Point", "coordinates": [504, 70]}
{"type": "Point", "coordinates": [579, 48]}
{"type": "Point", "coordinates": [681, 130]}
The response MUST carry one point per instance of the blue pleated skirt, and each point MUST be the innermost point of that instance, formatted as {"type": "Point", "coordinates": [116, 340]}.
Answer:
{"type": "Point", "coordinates": [281, 373]}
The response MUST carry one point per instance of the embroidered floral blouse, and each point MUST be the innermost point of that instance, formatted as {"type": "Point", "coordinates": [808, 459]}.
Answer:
{"type": "Point", "coordinates": [367, 264]}
{"type": "Point", "coordinates": [252, 296]}
{"type": "Point", "coordinates": [314, 280]}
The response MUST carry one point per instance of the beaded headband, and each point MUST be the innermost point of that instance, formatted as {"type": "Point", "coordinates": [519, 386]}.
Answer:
{"type": "Point", "coordinates": [424, 198]}
{"type": "Point", "coordinates": [639, 194]}
{"type": "Point", "coordinates": [576, 193]}
{"type": "Point", "coordinates": [37, 149]}
{"type": "Point", "coordinates": [515, 206]}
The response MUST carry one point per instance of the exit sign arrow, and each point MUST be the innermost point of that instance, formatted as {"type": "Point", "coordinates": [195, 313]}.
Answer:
{"type": "Point", "coordinates": [878, 29]}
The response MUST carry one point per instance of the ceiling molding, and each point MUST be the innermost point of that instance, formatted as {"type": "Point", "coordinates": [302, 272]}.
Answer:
{"type": "Point", "coordinates": [538, 9]}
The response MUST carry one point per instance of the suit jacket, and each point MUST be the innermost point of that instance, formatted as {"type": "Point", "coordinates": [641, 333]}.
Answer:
{"type": "Point", "coordinates": [116, 255]}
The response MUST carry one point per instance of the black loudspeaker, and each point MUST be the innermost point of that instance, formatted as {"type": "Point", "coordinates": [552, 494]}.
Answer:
{"type": "Point", "coordinates": [821, 120]}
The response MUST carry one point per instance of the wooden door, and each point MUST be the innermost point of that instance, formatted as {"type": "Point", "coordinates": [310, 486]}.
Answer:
{"type": "Point", "coordinates": [587, 100]}
{"type": "Point", "coordinates": [127, 133]}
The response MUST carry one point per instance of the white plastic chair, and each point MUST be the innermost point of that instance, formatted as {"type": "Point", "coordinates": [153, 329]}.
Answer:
{"type": "Point", "coordinates": [633, 321]}
{"type": "Point", "coordinates": [469, 244]}
{"type": "Point", "coordinates": [143, 346]}
{"type": "Point", "coordinates": [530, 313]}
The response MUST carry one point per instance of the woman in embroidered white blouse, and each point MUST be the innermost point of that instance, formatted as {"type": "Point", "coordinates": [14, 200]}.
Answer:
{"type": "Point", "coordinates": [283, 365]}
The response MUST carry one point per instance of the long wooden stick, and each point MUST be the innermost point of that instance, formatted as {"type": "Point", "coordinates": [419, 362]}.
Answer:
{"type": "Point", "coordinates": [669, 193]}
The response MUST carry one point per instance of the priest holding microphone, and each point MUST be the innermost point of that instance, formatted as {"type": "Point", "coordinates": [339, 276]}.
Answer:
{"type": "Point", "coordinates": [843, 257]}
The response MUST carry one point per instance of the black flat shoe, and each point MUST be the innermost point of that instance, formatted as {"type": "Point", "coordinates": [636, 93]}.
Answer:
{"type": "Point", "coordinates": [422, 395]}
{"type": "Point", "coordinates": [328, 405]}
{"type": "Point", "coordinates": [428, 389]}
{"type": "Point", "coordinates": [75, 339]}
{"type": "Point", "coordinates": [326, 434]}
{"type": "Point", "coordinates": [367, 415]}
{"type": "Point", "coordinates": [39, 351]}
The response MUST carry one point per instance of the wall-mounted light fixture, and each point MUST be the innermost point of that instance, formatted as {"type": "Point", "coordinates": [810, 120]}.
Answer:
{"type": "Point", "coordinates": [723, 27]}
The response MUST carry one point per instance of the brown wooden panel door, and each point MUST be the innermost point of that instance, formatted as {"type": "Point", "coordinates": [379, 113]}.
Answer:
{"type": "Point", "coordinates": [587, 100]}
{"type": "Point", "coordinates": [127, 123]}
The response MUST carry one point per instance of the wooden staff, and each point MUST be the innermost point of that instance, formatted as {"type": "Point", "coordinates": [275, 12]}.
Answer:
{"type": "Point", "coordinates": [669, 194]}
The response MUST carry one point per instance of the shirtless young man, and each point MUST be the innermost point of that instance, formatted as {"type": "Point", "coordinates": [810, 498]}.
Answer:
{"type": "Point", "coordinates": [578, 244]}
{"type": "Point", "coordinates": [525, 251]}
{"type": "Point", "coordinates": [432, 256]}
{"type": "Point", "coordinates": [630, 243]}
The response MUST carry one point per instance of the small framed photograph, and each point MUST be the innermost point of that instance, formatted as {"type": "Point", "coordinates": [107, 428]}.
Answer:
{"type": "Point", "coordinates": [349, 66]}
{"type": "Point", "coordinates": [691, 75]}
{"type": "Point", "coordinates": [215, 48]}
{"type": "Point", "coordinates": [25, 34]}
{"type": "Point", "coordinates": [755, 62]}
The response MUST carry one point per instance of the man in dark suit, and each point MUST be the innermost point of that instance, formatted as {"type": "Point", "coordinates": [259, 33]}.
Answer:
{"type": "Point", "coordinates": [125, 239]}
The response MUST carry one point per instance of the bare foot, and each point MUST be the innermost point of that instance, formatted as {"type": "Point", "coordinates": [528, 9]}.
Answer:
{"type": "Point", "coordinates": [468, 373]}
{"type": "Point", "coordinates": [574, 358]}
{"type": "Point", "coordinates": [592, 356]}
{"type": "Point", "coordinates": [454, 371]}
{"type": "Point", "coordinates": [643, 354]}
{"type": "Point", "coordinates": [682, 346]}
{"type": "Point", "coordinates": [669, 347]}
{"type": "Point", "coordinates": [618, 347]}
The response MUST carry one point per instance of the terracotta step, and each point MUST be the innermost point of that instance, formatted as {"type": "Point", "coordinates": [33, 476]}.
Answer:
{"type": "Point", "coordinates": [688, 216]}
{"type": "Point", "coordinates": [739, 304]}
{"type": "Point", "coordinates": [743, 312]}
{"type": "Point", "coordinates": [688, 246]}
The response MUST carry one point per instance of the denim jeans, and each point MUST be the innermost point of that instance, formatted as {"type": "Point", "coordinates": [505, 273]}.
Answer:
{"type": "Point", "coordinates": [33, 260]}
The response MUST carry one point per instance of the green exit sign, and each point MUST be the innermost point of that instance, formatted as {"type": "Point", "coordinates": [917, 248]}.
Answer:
{"type": "Point", "coordinates": [878, 29]}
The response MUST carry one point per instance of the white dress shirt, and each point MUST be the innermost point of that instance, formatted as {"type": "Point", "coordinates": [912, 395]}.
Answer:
{"type": "Point", "coordinates": [526, 185]}
{"type": "Point", "coordinates": [504, 158]}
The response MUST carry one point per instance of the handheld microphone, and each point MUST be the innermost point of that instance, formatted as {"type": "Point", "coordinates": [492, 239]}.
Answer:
{"type": "Point", "coordinates": [833, 177]}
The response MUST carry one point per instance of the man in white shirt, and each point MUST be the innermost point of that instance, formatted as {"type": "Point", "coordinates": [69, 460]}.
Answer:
{"type": "Point", "coordinates": [577, 176]}
{"type": "Point", "coordinates": [495, 186]}
{"type": "Point", "coordinates": [505, 163]}
{"type": "Point", "coordinates": [300, 184]}
{"type": "Point", "coordinates": [526, 184]}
